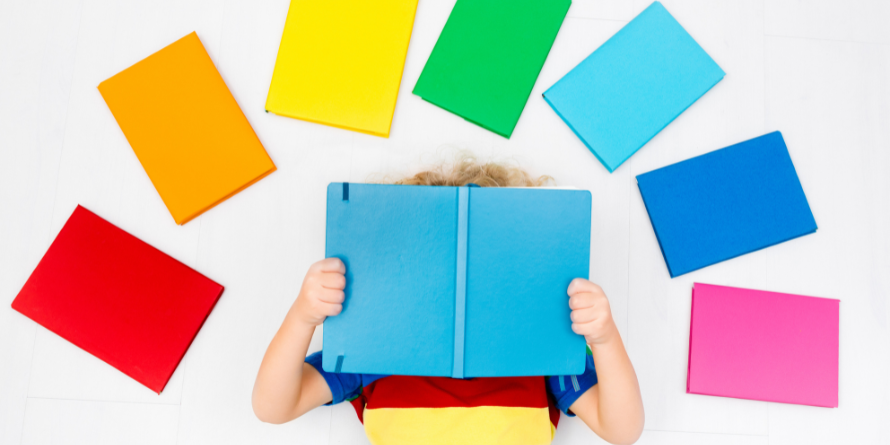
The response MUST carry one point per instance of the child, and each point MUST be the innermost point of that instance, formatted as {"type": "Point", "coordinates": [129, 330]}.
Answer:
{"type": "Point", "coordinates": [441, 410]}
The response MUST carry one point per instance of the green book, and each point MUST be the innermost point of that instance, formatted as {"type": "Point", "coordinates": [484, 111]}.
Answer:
{"type": "Point", "coordinates": [488, 57]}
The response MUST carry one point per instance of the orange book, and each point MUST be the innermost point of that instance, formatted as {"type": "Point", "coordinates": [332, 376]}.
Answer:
{"type": "Point", "coordinates": [186, 128]}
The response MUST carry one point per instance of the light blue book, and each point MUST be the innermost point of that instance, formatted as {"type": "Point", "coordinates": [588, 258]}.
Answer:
{"type": "Point", "coordinates": [456, 281]}
{"type": "Point", "coordinates": [633, 86]}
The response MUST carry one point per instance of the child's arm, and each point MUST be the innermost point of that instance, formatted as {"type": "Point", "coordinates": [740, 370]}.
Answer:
{"type": "Point", "coordinates": [286, 387]}
{"type": "Point", "coordinates": [613, 408]}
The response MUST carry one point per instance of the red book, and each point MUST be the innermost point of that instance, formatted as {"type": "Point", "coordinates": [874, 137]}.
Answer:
{"type": "Point", "coordinates": [118, 298]}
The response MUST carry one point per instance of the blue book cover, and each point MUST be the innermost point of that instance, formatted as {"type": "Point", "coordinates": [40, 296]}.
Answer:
{"type": "Point", "coordinates": [633, 86]}
{"type": "Point", "coordinates": [456, 281]}
{"type": "Point", "coordinates": [726, 203]}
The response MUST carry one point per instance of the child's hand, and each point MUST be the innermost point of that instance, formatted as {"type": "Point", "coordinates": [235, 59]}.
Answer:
{"type": "Point", "coordinates": [591, 315]}
{"type": "Point", "coordinates": [322, 293]}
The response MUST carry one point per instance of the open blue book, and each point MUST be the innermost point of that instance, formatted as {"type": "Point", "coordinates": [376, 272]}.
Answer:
{"type": "Point", "coordinates": [726, 203]}
{"type": "Point", "coordinates": [633, 86]}
{"type": "Point", "coordinates": [456, 281]}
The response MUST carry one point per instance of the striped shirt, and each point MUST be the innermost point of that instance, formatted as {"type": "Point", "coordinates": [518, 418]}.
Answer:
{"type": "Point", "coordinates": [398, 410]}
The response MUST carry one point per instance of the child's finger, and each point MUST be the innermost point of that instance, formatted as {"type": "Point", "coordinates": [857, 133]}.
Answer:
{"type": "Point", "coordinates": [582, 328]}
{"type": "Point", "coordinates": [581, 301]}
{"type": "Point", "coordinates": [579, 285]}
{"type": "Point", "coordinates": [333, 280]}
{"type": "Point", "coordinates": [331, 310]}
{"type": "Point", "coordinates": [330, 265]}
{"type": "Point", "coordinates": [584, 315]}
{"type": "Point", "coordinates": [331, 296]}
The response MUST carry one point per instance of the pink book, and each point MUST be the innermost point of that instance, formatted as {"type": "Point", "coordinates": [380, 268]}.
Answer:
{"type": "Point", "coordinates": [759, 345]}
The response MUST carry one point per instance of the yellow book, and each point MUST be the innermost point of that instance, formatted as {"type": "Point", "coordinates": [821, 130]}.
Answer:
{"type": "Point", "coordinates": [184, 125]}
{"type": "Point", "coordinates": [340, 62]}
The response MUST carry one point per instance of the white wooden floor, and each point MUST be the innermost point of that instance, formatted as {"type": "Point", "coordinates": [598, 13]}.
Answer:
{"type": "Point", "coordinates": [819, 71]}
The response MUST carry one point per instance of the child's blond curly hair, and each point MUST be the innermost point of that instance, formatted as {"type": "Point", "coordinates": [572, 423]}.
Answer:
{"type": "Point", "coordinates": [467, 169]}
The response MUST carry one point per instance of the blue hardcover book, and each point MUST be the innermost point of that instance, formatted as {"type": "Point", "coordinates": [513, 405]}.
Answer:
{"type": "Point", "coordinates": [456, 281]}
{"type": "Point", "coordinates": [633, 86]}
{"type": "Point", "coordinates": [726, 203]}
